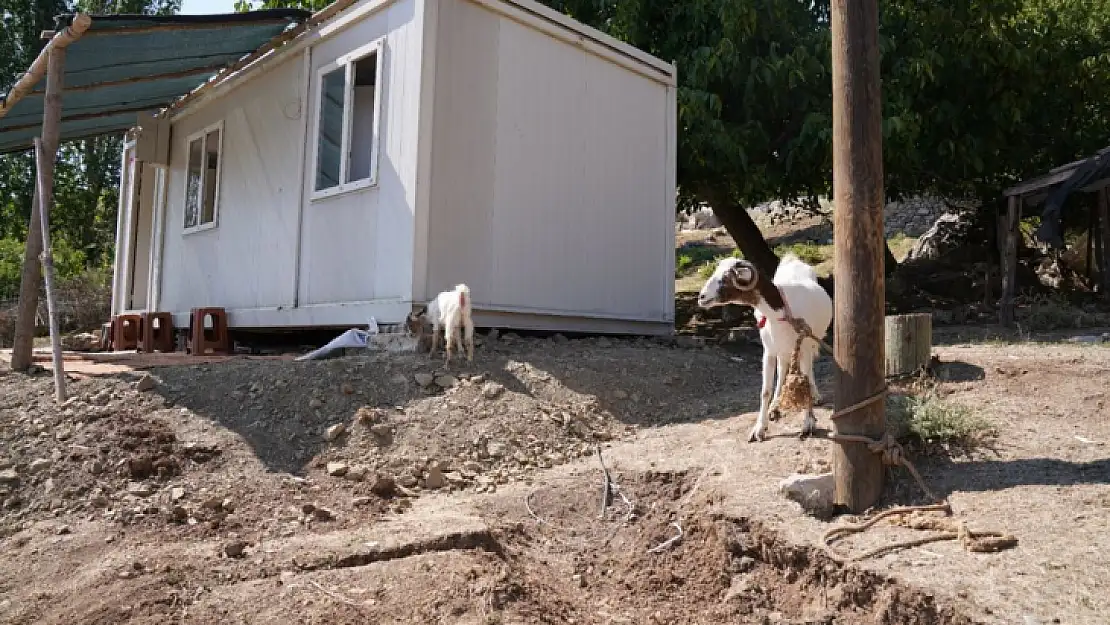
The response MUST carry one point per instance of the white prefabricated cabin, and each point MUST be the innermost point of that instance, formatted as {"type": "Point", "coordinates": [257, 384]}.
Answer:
{"type": "Point", "coordinates": [401, 147]}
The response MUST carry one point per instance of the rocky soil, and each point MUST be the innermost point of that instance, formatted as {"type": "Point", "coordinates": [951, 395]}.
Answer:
{"type": "Point", "coordinates": [390, 488]}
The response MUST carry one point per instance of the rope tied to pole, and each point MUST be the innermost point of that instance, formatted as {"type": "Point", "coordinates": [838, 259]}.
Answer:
{"type": "Point", "coordinates": [797, 394]}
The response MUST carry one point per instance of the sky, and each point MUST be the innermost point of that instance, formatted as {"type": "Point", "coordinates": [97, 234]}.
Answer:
{"type": "Point", "coordinates": [196, 7]}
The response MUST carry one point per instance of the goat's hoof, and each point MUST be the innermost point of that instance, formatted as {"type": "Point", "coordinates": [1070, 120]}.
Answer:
{"type": "Point", "coordinates": [775, 414]}
{"type": "Point", "coordinates": [755, 437]}
{"type": "Point", "coordinates": [805, 434]}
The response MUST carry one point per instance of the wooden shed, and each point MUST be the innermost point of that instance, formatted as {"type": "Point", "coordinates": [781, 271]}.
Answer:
{"type": "Point", "coordinates": [1050, 191]}
{"type": "Point", "coordinates": [394, 148]}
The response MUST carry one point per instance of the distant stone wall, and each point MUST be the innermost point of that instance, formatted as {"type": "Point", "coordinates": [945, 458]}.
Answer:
{"type": "Point", "coordinates": [912, 216]}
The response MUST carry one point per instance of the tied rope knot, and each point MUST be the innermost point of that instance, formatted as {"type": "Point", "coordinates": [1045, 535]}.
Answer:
{"type": "Point", "coordinates": [893, 454]}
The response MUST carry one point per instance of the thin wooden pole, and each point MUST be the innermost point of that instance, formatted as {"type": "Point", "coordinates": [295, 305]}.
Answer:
{"type": "Point", "coordinates": [1104, 235]}
{"type": "Point", "coordinates": [23, 345]}
{"type": "Point", "coordinates": [23, 86]}
{"type": "Point", "coordinates": [1092, 229]}
{"type": "Point", "coordinates": [1009, 261]}
{"type": "Point", "coordinates": [859, 247]}
{"type": "Point", "coordinates": [46, 196]}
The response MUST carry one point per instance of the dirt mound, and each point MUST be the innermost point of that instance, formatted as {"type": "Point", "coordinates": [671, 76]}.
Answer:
{"type": "Point", "coordinates": [406, 421]}
{"type": "Point", "coordinates": [277, 447]}
{"type": "Point", "coordinates": [576, 567]}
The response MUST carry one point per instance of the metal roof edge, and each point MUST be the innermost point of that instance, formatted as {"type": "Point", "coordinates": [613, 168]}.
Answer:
{"type": "Point", "coordinates": [215, 19]}
{"type": "Point", "coordinates": [295, 39]}
{"type": "Point", "coordinates": [569, 23]}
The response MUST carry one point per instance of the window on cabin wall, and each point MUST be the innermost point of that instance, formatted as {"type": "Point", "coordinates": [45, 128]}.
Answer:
{"type": "Point", "coordinates": [202, 178]}
{"type": "Point", "coordinates": [348, 120]}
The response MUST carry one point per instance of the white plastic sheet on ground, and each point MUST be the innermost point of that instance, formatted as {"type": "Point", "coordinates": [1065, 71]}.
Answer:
{"type": "Point", "coordinates": [351, 338]}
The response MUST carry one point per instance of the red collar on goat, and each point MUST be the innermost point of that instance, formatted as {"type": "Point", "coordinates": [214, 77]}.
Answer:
{"type": "Point", "coordinates": [786, 313]}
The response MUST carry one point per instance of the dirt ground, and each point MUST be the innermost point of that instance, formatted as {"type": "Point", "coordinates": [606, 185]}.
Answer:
{"type": "Point", "coordinates": [385, 488]}
{"type": "Point", "coordinates": [224, 492]}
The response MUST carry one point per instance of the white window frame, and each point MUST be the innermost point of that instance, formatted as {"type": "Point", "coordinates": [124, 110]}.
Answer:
{"type": "Point", "coordinates": [202, 134]}
{"type": "Point", "coordinates": [347, 62]}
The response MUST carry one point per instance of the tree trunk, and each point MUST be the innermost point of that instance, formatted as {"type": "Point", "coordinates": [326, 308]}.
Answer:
{"type": "Point", "coordinates": [858, 232]}
{"type": "Point", "coordinates": [24, 340]}
{"type": "Point", "coordinates": [890, 264]}
{"type": "Point", "coordinates": [909, 343]}
{"type": "Point", "coordinates": [743, 230]}
{"type": "Point", "coordinates": [23, 345]}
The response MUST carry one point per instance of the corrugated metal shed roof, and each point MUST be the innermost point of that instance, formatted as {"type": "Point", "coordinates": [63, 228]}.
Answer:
{"type": "Point", "coordinates": [126, 64]}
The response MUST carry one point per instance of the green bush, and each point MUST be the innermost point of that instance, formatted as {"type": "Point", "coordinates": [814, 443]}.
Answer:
{"type": "Point", "coordinates": [68, 263]}
{"type": "Point", "coordinates": [931, 419]}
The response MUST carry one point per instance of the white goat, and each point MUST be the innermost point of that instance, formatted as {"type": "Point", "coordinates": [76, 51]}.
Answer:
{"type": "Point", "coordinates": [451, 310]}
{"type": "Point", "coordinates": [794, 292]}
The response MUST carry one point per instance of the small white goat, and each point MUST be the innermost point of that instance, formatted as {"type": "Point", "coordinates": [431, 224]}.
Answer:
{"type": "Point", "coordinates": [794, 292]}
{"type": "Point", "coordinates": [451, 310]}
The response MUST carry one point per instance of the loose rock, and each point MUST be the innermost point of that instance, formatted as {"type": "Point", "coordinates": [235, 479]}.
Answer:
{"type": "Point", "coordinates": [37, 465]}
{"type": "Point", "coordinates": [815, 493]}
{"type": "Point", "coordinates": [9, 477]}
{"type": "Point", "coordinates": [424, 379]}
{"type": "Point", "coordinates": [235, 548]}
{"type": "Point", "coordinates": [446, 381]}
{"type": "Point", "coordinates": [322, 514]}
{"type": "Point", "coordinates": [434, 479]}
{"type": "Point", "coordinates": [140, 489]}
{"type": "Point", "coordinates": [357, 474]}
{"type": "Point", "coordinates": [335, 431]}
{"type": "Point", "coordinates": [337, 469]}
{"type": "Point", "coordinates": [366, 415]}
{"type": "Point", "coordinates": [491, 390]}
{"type": "Point", "coordinates": [145, 383]}
{"type": "Point", "coordinates": [384, 486]}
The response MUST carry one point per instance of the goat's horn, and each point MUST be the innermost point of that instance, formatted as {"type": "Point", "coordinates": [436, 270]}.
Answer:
{"type": "Point", "coordinates": [745, 275]}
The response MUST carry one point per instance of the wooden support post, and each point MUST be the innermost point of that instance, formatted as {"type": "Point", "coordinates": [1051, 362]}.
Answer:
{"type": "Point", "coordinates": [53, 59]}
{"type": "Point", "coordinates": [44, 185]}
{"type": "Point", "coordinates": [859, 248]}
{"type": "Point", "coordinates": [1009, 260]}
{"type": "Point", "coordinates": [1092, 233]}
{"type": "Point", "coordinates": [909, 343]}
{"type": "Point", "coordinates": [23, 346]}
{"type": "Point", "coordinates": [1104, 239]}
{"type": "Point", "coordinates": [1095, 268]}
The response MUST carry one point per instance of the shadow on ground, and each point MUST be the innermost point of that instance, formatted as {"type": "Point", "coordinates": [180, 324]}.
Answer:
{"type": "Point", "coordinates": [282, 409]}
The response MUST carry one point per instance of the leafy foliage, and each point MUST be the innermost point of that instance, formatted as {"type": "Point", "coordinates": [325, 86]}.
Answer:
{"type": "Point", "coordinates": [976, 94]}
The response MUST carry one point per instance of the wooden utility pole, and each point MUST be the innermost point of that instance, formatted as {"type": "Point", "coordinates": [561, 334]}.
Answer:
{"type": "Point", "coordinates": [859, 248]}
{"type": "Point", "coordinates": [53, 60]}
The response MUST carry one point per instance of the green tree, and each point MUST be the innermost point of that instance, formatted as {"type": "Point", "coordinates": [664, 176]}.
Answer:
{"type": "Point", "coordinates": [976, 94]}
{"type": "Point", "coordinates": [87, 171]}
{"type": "Point", "coordinates": [243, 6]}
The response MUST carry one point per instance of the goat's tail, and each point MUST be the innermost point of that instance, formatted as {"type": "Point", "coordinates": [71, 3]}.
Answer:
{"type": "Point", "coordinates": [464, 295]}
{"type": "Point", "coordinates": [793, 270]}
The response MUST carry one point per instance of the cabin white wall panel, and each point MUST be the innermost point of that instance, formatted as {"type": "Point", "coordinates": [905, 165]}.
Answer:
{"type": "Point", "coordinates": [247, 261]}
{"type": "Point", "coordinates": [358, 246]}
